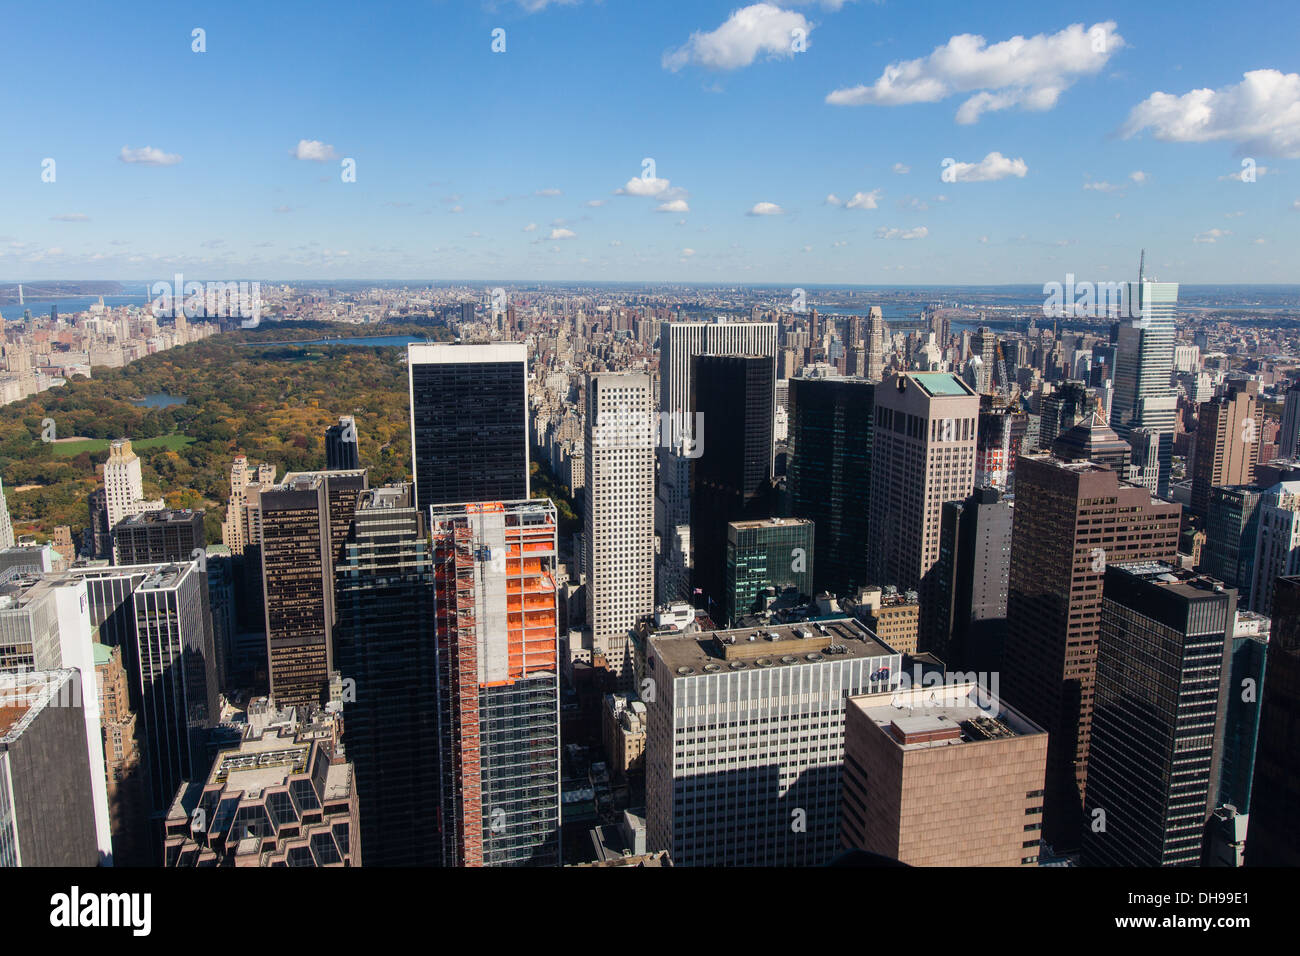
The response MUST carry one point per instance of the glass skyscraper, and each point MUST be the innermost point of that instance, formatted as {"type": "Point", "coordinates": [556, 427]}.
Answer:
{"type": "Point", "coordinates": [774, 553]}
{"type": "Point", "coordinates": [469, 422]}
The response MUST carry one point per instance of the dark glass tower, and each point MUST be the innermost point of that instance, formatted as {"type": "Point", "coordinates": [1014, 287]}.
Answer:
{"type": "Point", "coordinates": [1158, 718]}
{"type": "Point", "coordinates": [469, 422]}
{"type": "Point", "coordinates": [763, 554]}
{"type": "Point", "coordinates": [385, 645]}
{"type": "Point", "coordinates": [153, 537]}
{"type": "Point", "coordinates": [731, 479]}
{"type": "Point", "coordinates": [1274, 835]}
{"type": "Point", "coordinates": [1231, 532]}
{"type": "Point", "coordinates": [966, 622]}
{"type": "Point", "coordinates": [342, 446]}
{"type": "Point", "coordinates": [305, 523]}
{"type": "Point", "coordinates": [829, 475]}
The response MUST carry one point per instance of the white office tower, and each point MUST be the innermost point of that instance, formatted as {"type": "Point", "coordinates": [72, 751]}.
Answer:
{"type": "Point", "coordinates": [6, 526]}
{"type": "Point", "coordinates": [123, 486]}
{"type": "Point", "coordinates": [619, 531]}
{"type": "Point", "coordinates": [745, 739]}
{"type": "Point", "coordinates": [1144, 363]}
{"type": "Point", "coordinates": [679, 343]}
{"type": "Point", "coordinates": [1277, 549]}
{"type": "Point", "coordinates": [45, 626]}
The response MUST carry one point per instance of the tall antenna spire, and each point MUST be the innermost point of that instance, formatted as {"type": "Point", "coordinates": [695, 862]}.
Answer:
{"type": "Point", "coordinates": [1142, 262]}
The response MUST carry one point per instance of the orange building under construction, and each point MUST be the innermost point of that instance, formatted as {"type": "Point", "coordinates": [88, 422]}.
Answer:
{"type": "Point", "coordinates": [498, 682]}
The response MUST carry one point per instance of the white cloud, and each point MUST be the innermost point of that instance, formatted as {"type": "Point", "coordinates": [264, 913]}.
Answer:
{"type": "Point", "coordinates": [72, 217]}
{"type": "Point", "coordinates": [283, 209]}
{"type": "Point", "coordinates": [1233, 215]}
{"type": "Point", "coordinates": [1139, 177]}
{"type": "Point", "coordinates": [901, 169]}
{"type": "Point", "coordinates": [1102, 186]}
{"type": "Point", "coordinates": [615, 243]}
{"type": "Point", "coordinates": [673, 205]}
{"type": "Point", "coordinates": [595, 203]}
{"type": "Point", "coordinates": [833, 200]}
{"type": "Point", "coordinates": [765, 209]}
{"type": "Point", "coordinates": [1211, 235]}
{"type": "Point", "coordinates": [920, 232]}
{"type": "Point", "coordinates": [549, 192]}
{"type": "Point", "coordinates": [688, 252]}
{"type": "Point", "coordinates": [1029, 73]}
{"type": "Point", "coordinates": [563, 234]}
{"type": "Point", "coordinates": [749, 31]}
{"type": "Point", "coordinates": [531, 227]}
{"type": "Point", "coordinates": [652, 187]}
{"type": "Point", "coordinates": [992, 167]}
{"type": "Point", "coordinates": [537, 6]}
{"type": "Point", "coordinates": [862, 200]}
{"type": "Point", "coordinates": [1259, 114]}
{"type": "Point", "coordinates": [148, 156]}
{"type": "Point", "coordinates": [314, 150]}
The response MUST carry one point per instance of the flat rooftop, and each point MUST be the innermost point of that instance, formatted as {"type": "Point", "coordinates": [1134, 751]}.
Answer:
{"type": "Point", "coordinates": [772, 645]}
{"type": "Point", "coordinates": [940, 383]}
{"type": "Point", "coordinates": [944, 715]}
{"type": "Point", "coordinates": [769, 523]}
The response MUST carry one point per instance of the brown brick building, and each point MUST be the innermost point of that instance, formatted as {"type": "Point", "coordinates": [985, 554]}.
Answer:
{"type": "Point", "coordinates": [956, 780]}
{"type": "Point", "coordinates": [1072, 519]}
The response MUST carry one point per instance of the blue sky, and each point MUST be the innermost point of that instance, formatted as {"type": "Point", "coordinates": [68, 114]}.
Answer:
{"type": "Point", "coordinates": [1069, 158]}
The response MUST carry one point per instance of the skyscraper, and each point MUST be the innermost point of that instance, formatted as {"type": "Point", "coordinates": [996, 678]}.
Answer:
{"type": "Point", "coordinates": [156, 537]}
{"type": "Point", "coordinates": [1144, 362]}
{"type": "Point", "coordinates": [6, 526]}
{"type": "Point", "coordinates": [618, 532]}
{"type": "Point", "coordinates": [1231, 534]}
{"type": "Point", "coordinates": [1277, 544]}
{"type": "Point", "coordinates": [123, 484]}
{"type": "Point", "coordinates": [949, 780]}
{"type": "Point", "coordinates": [965, 621]}
{"type": "Point", "coordinates": [304, 523]}
{"type": "Point", "coordinates": [1288, 438]}
{"type": "Point", "coordinates": [1159, 712]}
{"type": "Point", "coordinates": [498, 683]}
{"type": "Point", "coordinates": [1247, 663]}
{"type": "Point", "coordinates": [763, 554]}
{"type": "Point", "coordinates": [45, 625]}
{"type": "Point", "coordinates": [1228, 431]}
{"type": "Point", "coordinates": [923, 454]}
{"type": "Point", "coordinates": [1072, 519]}
{"type": "Point", "coordinates": [877, 333]}
{"type": "Point", "coordinates": [829, 474]}
{"type": "Point", "coordinates": [745, 740]}
{"type": "Point", "coordinates": [679, 343]}
{"type": "Point", "coordinates": [386, 645]}
{"type": "Point", "coordinates": [1064, 408]}
{"type": "Point", "coordinates": [1274, 838]}
{"type": "Point", "coordinates": [469, 422]}
{"type": "Point", "coordinates": [731, 478]}
{"type": "Point", "coordinates": [178, 675]}
{"type": "Point", "coordinates": [342, 445]}
{"type": "Point", "coordinates": [47, 815]}
{"type": "Point", "coordinates": [234, 529]}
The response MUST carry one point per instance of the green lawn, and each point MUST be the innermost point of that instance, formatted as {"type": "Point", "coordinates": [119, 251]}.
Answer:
{"type": "Point", "coordinates": [70, 449]}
